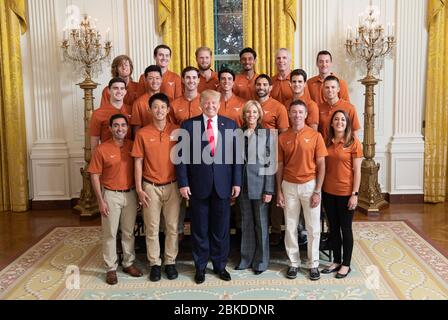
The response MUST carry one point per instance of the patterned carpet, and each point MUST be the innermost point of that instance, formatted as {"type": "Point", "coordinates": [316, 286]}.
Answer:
{"type": "Point", "coordinates": [390, 261]}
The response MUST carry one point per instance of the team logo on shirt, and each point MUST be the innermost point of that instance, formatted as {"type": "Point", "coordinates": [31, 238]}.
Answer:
{"type": "Point", "coordinates": [173, 138]}
{"type": "Point", "coordinates": [112, 156]}
{"type": "Point", "coordinates": [171, 83]}
{"type": "Point", "coordinates": [237, 109]}
{"type": "Point", "coordinates": [288, 142]}
{"type": "Point", "coordinates": [307, 140]}
{"type": "Point", "coordinates": [152, 140]}
{"type": "Point", "coordinates": [265, 111]}
{"type": "Point", "coordinates": [180, 110]}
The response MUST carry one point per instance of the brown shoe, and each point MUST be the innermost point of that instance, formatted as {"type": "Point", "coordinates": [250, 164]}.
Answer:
{"type": "Point", "coordinates": [111, 277]}
{"type": "Point", "coordinates": [133, 271]}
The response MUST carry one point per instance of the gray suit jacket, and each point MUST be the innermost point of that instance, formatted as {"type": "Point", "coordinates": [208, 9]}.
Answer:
{"type": "Point", "coordinates": [259, 164]}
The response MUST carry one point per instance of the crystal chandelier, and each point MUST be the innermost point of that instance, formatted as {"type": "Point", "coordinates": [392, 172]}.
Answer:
{"type": "Point", "coordinates": [369, 46]}
{"type": "Point", "coordinates": [82, 48]}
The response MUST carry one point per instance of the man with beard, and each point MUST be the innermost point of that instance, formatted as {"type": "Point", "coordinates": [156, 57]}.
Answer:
{"type": "Point", "coordinates": [244, 86]}
{"type": "Point", "coordinates": [208, 79]}
{"type": "Point", "coordinates": [275, 114]}
{"type": "Point", "coordinates": [275, 117]}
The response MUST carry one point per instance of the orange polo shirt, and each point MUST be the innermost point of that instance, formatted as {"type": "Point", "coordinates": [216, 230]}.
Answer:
{"type": "Point", "coordinates": [99, 123]}
{"type": "Point", "coordinates": [154, 147]}
{"type": "Point", "coordinates": [171, 85]}
{"type": "Point", "coordinates": [114, 164]}
{"type": "Point", "coordinates": [133, 92]}
{"type": "Point", "coordinates": [244, 87]}
{"type": "Point", "coordinates": [281, 89]}
{"type": "Point", "coordinates": [182, 109]}
{"type": "Point", "coordinates": [313, 110]}
{"type": "Point", "coordinates": [275, 115]}
{"type": "Point", "coordinates": [298, 151]}
{"type": "Point", "coordinates": [212, 83]}
{"type": "Point", "coordinates": [339, 174]}
{"type": "Point", "coordinates": [141, 115]}
{"type": "Point", "coordinates": [326, 111]}
{"type": "Point", "coordinates": [232, 109]}
{"type": "Point", "coordinates": [316, 88]}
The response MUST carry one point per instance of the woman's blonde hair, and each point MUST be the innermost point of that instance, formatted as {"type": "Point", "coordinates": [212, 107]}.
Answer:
{"type": "Point", "coordinates": [249, 104]}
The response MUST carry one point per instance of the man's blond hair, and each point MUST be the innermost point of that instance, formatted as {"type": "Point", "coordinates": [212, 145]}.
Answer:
{"type": "Point", "coordinates": [210, 94]}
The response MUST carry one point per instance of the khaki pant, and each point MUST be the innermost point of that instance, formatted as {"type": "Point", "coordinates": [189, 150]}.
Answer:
{"type": "Point", "coordinates": [165, 201]}
{"type": "Point", "coordinates": [122, 213]}
{"type": "Point", "coordinates": [297, 195]}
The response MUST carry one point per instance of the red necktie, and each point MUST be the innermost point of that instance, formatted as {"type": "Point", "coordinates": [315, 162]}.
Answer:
{"type": "Point", "coordinates": [211, 136]}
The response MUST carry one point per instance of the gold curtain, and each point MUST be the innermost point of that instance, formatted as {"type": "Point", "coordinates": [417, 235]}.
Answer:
{"type": "Point", "coordinates": [436, 114]}
{"type": "Point", "coordinates": [186, 25]}
{"type": "Point", "coordinates": [267, 26]}
{"type": "Point", "coordinates": [13, 152]}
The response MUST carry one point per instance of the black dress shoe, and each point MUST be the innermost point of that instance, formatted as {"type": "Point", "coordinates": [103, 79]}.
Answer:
{"type": "Point", "coordinates": [171, 272]}
{"type": "Point", "coordinates": [155, 274]}
{"type": "Point", "coordinates": [314, 274]}
{"type": "Point", "coordinates": [341, 276]}
{"type": "Point", "coordinates": [292, 272]}
{"type": "Point", "coordinates": [199, 277]}
{"type": "Point", "coordinates": [257, 272]}
{"type": "Point", "coordinates": [327, 270]}
{"type": "Point", "coordinates": [224, 275]}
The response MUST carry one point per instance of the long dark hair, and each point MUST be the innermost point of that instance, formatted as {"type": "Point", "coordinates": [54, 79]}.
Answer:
{"type": "Point", "coordinates": [348, 134]}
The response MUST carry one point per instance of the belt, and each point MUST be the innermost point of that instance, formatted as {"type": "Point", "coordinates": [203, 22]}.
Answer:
{"type": "Point", "coordinates": [159, 184]}
{"type": "Point", "coordinates": [127, 190]}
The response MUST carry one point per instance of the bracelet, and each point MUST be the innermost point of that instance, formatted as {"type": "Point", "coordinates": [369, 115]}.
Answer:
{"type": "Point", "coordinates": [317, 192]}
{"type": "Point", "coordinates": [355, 193]}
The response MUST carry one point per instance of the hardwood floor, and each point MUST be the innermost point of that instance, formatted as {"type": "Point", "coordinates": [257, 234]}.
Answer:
{"type": "Point", "coordinates": [18, 231]}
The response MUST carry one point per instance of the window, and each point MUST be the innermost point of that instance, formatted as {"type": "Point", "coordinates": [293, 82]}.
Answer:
{"type": "Point", "coordinates": [228, 34]}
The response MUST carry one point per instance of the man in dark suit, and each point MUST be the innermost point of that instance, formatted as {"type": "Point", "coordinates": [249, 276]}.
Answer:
{"type": "Point", "coordinates": [208, 176]}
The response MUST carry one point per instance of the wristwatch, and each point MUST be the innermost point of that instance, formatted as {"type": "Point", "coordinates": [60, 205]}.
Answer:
{"type": "Point", "coordinates": [317, 192]}
{"type": "Point", "coordinates": [355, 193]}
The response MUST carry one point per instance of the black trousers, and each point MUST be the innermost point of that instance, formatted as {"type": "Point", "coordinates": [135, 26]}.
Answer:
{"type": "Point", "coordinates": [210, 226]}
{"type": "Point", "coordinates": [340, 220]}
